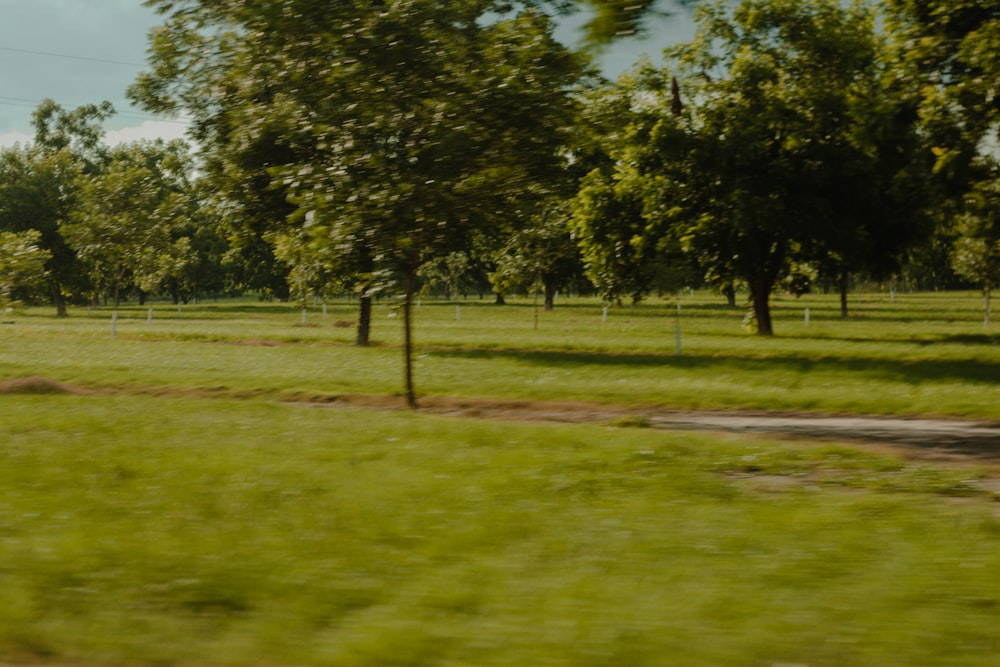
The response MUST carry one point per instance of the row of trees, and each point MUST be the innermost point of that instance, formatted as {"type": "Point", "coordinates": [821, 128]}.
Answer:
{"type": "Point", "coordinates": [380, 145]}
{"type": "Point", "coordinates": [81, 219]}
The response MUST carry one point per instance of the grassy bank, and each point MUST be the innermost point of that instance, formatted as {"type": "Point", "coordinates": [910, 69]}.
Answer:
{"type": "Point", "coordinates": [182, 531]}
{"type": "Point", "coordinates": [168, 511]}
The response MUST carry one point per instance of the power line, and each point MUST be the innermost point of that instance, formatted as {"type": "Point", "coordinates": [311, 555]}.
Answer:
{"type": "Point", "coordinates": [22, 102]}
{"type": "Point", "coordinates": [71, 57]}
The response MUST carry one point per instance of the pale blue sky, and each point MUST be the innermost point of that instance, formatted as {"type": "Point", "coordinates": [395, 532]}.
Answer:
{"type": "Point", "coordinates": [85, 51]}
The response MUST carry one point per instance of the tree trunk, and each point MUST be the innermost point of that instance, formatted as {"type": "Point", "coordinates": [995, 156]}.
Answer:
{"type": "Point", "coordinates": [550, 298]}
{"type": "Point", "coordinates": [500, 301]}
{"type": "Point", "coordinates": [59, 301]}
{"type": "Point", "coordinates": [364, 320]}
{"type": "Point", "coordinates": [410, 286]}
{"type": "Point", "coordinates": [842, 286]}
{"type": "Point", "coordinates": [760, 293]}
{"type": "Point", "coordinates": [142, 297]}
{"type": "Point", "coordinates": [729, 291]}
{"type": "Point", "coordinates": [986, 304]}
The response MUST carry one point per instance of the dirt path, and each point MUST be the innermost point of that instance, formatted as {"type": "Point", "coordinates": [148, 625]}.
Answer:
{"type": "Point", "coordinates": [918, 437]}
{"type": "Point", "coordinates": [929, 438]}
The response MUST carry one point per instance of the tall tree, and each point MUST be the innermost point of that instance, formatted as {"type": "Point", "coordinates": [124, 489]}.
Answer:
{"type": "Point", "coordinates": [39, 184]}
{"type": "Point", "coordinates": [779, 154]}
{"type": "Point", "coordinates": [122, 226]}
{"type": "Point", "coordinates": [406, 122]}
{"type": "Point", "coordinates": [976, 251]}
{"type": "Point", "coordinates": [541, 257]}
{"type": "Point", "coordinates": [951, 48]}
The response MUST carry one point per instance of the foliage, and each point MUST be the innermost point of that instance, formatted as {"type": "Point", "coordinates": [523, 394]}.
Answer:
{"type": "Point", "coordinates": [401, 126]}
{"type": "Point", "coordinates": [123, 226]}
{"type": "Point", "coordinates": [541, 257]}
{"type": "Point", "coordinates": [608, 221]}
{"type": "Point", "coordinates": [449, 271]}
{"type": "Point", "coordinates": [792, 143]}
{"type": "Point", "coordinates": [952, 53]}
{"type": "Point", "coordinates": [38, 184]}
{"type": "Point", "coordinates": [22, 265]}
{"type": "Point", "coordinates": [976, 251]}
{"type": "Point", "coordinates": [612, 20]}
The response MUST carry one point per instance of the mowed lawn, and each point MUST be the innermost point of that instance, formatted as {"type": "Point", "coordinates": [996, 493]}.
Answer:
{"type": "Point", "coordinates": [914, 354]}
{"type": "Point", "coordinates": [180, 509]}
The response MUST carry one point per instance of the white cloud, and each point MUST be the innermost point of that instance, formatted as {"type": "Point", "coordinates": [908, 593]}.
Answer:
{"type": "Point", "coordinates": [8, 139]}
{"type": "Point", "coordinates": [150, 129]}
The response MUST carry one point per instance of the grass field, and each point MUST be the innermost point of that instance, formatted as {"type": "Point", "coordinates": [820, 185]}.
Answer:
{"type": "Point", "coordinates": [171, 503]}
{"type": "Point", "coordinates": [925, 354]}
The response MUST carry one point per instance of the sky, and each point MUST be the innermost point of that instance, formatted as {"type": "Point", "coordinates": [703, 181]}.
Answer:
{"type": "Point", "coordinates": [86, 51]}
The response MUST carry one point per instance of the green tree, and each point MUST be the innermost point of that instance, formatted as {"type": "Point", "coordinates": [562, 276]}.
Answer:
{"type": "Point", "coordinates": [952, 54]}
{"type": "Point", "coordinates": [609, 220]}
{"type": "Point", "coordinates": [614, 19]}
{"type": "Point", "coordinates": [951, 50]}
{"type": "Point", "coordinates": [405, 122]}
{"type": "Point", "coordinates": [122, 227]}
{"type": "Point", "coordinates": [541, 257]}
{"type": "Point", "coordinates": [976, 251]}
{"type": "Point", "coordinates": [197, 263]}
{"type": "Point", "coordinates": [39, 185]}
{"type": "Point", "coordinates": [609, 225]}
{"type": "Point", "coordinates": [779, 154]}
{"type": "Point", "coordinates": [867, 164]}
{"type": "Point", "coordinates": [22, 265]}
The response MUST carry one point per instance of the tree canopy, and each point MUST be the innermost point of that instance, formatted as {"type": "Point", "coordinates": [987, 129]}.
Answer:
{"type": "Point", "coordinates": [401, 126]}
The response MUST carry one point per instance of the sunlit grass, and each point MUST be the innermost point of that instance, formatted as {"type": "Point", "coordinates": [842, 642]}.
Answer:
{"type": "Point", "coordinates": [181, 531]}
{"type": "Point", "coordinates": [917, 354]}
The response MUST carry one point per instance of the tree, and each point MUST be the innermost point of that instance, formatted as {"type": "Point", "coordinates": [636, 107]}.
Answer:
{"type": "Point", "coordinates": [952, 53]}
{"type": "Point", "coordinates": [608, 219]}
{"type": "Point", "coordinates": [38, 185]}
{"type": "Point", "coordinates": [22, 265]}
{"type": "Point", "coordinates": [609, 226]}
{"type": "Point", "coordinates": [196, 263]}
{"type": "Point", "coordinates": [613, 19]}
{"type": "Point", "coordinates": [976, 251]}
{"type": "Point", "coordinates": [867, 165]}
{"type": "Point", "coordinates": [778, 155]}
{"type": "Point", "coordinates": [953, 56]}
{"type": "Point", "coordinates": [404, 122]}
{"type": "Point", "coordinates": [541, 257]}
{"type": "Point", "coordinates": [122, 226]}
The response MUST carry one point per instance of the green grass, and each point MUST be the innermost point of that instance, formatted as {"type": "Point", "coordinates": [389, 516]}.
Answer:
{"type": "Point", "coordinates": [925, 354]}
{"type": "Point", "coordinates": [182, 531]}
{"type": "Point", "coordinates": [186, 514]}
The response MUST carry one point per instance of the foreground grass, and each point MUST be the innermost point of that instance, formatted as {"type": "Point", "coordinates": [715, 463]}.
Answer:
{"type": "Point", "coordinates": [178, 531]}
{"type": "Point", "coordinates": [925, 354]}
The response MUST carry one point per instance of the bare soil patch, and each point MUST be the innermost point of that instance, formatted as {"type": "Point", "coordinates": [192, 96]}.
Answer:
{"type": "Point", "coordinates": [38, 385]}
{"type": "Point", "coordinates": [926, 438]}
{"type": "Point", "coordinates": [914, 437]}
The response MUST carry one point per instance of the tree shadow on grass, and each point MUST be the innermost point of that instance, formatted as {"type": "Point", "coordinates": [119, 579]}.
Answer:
{"type": "Point", "coordinates": [910, 371]}
{"type": "Point", "coordinates": [931, 339]}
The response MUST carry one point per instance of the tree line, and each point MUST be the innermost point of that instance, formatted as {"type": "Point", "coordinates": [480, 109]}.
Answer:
{"type": "Point", "coordinates": [377, 147]}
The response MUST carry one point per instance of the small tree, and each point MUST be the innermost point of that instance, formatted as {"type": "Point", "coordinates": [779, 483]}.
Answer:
{"type": "Point", "coordinates": [39, 185]}
{"type": "Point", "coordinates": [122, 228]}
{"type": "Point", "coordinates": [541, 257]}
{"type": "Point", "coordinates": [976, 251]}
{"type": "Point", "coordinates": [22, 265]}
